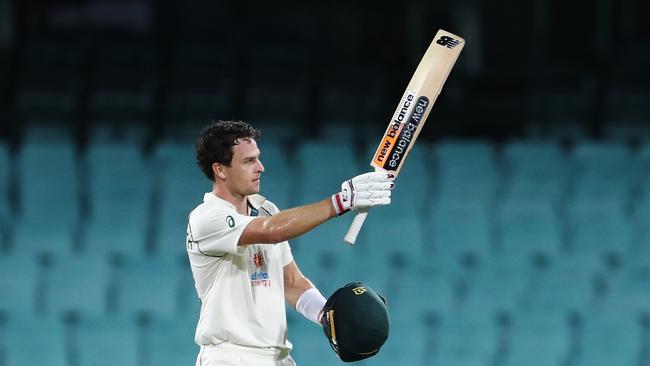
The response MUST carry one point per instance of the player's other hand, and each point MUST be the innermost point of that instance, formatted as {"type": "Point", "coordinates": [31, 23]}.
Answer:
{"type": "Point", "coordinates": [364, 191]}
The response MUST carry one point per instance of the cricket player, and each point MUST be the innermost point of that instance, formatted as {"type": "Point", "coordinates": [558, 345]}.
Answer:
{"type": "Point", "coordinates": [241, 261]}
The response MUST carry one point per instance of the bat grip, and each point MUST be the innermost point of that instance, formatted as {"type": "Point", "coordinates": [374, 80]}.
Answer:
{"type": "Point", "coordinates": [355, 227]}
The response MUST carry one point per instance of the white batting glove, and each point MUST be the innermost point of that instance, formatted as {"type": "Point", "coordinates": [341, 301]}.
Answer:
{"type": "Point", "coordinates": [364, 191]}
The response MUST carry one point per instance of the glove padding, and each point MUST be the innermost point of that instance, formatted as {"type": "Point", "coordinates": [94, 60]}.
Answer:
{"type": "Point", "coordinates": [364, 191]}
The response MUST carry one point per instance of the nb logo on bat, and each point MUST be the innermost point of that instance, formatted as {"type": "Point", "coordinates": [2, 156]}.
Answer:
{"type": "Point", "coordinates": [448, 42]}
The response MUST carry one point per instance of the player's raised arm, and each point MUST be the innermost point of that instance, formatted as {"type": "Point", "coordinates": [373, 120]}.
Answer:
{"type": "Point", "coordinates": [359, 193]}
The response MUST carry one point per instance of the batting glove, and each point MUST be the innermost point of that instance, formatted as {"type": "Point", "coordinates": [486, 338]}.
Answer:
{"type": "Point", "coordinates": [364, 191]}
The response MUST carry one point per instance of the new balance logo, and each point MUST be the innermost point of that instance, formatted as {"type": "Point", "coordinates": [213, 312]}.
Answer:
{"type": "Point", "coordinates": [448, 42]}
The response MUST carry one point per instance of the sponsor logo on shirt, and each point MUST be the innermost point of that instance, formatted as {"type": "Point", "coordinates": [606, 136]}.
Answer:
{"type": "Point", "coordinates": [260, 275]}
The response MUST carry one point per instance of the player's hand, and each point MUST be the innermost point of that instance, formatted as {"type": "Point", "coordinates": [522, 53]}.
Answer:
{"type": "Point", "coordinates": [364, 191]}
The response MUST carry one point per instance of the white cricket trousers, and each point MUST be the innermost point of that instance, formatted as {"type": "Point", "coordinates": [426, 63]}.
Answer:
{"type": "Point", "coordinates": [231, 355]}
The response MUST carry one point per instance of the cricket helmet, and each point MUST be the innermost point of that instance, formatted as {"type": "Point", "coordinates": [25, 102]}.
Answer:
{"type": "Point", "coordinates": [355, 321]}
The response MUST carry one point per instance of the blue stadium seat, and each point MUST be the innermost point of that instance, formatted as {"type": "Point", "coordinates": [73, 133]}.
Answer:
{"type": "Point", "coordinates": [493, 288]}
{"type": "Point", "coordinates": [640, 245]}
{"type": "Point", "coordinates": [149, 286]}
{"type": "Point", "coordinates": [605, 172]}
{"type": "Point", "coordinates": [468, 171]}
{"type": "Point", "coordinates": [310, 347]}
{"type": "Point", "coordinates": [467, 338]}
{"type": "Point", "coordinates": [324, 258]}
{"type": "Point", "coordinates": [538, 341]}
{"type": "Point", "coordinates": [19, 280]}
{"type": "Point", "coordinates": [550, 292]}
{"type": "Point", "coordinates": [189, 304]}
{"type": "Point", "coordinates": [598, 229]}
{"type": "Point", "coordinates": [182, 186]}
{"type": "Point", "coordinates": [119, 197]}
{"type": "Point", "coordinates": [456, 231]}
{"type": "Point", "coordinates": [597, 344]}
{"type": "Point", "coordinates": [171, 343]}
{"type": "Point", "coordinates": [407, 302]}
{"type": "Point", "coordinates": [629, 291]}
{"type": "Point", "coordinates": [49, 210]}
{"type": "Point", "coordinates": [5, 208]}
{"type": "Point", "coordinates": [391, 237]}
{"type": "Point", "coordinates": [537, 172]}
{"type": "Point", "coordinates": [107, 341]}
{"type": "Point", "coordinates": [321, 168]}
{"type": "Point", "coordinates": [641, 208]}
{"type": "Point", "coordinates": [79, 285]}
{"type": "Point", "coordinates": [35, 341]}
{"type": "Point", "coordinates": [342, 130]}
{"type": "Point", "coordinates": [528, 230]}
{"type": "Point", "coordinates": [406, 345]}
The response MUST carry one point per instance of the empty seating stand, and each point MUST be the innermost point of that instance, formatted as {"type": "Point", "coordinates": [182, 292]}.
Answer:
{"type": "Point", "coordinates": [499, 256]}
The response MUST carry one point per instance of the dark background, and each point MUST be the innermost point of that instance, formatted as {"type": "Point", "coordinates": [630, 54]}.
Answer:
{"type": "Point", "coordinates": [530, 68]}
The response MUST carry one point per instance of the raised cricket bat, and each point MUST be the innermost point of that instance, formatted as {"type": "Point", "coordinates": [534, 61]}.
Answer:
{"type": "Point", "coordinates": [412, 111]}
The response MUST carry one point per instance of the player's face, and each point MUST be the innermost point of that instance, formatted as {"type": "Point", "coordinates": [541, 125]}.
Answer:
{"type": "Point", "coordinates": [243, 174]}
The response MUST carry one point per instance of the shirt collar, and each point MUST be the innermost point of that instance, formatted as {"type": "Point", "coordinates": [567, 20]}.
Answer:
{"type": "Point", "coordinates": [254, 200]}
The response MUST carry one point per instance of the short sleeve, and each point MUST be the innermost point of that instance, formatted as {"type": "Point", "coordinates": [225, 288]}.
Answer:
{"type": "Point", "coordinates": [287, 257]}
{"type": "Point", "coordinates": [215, 232]}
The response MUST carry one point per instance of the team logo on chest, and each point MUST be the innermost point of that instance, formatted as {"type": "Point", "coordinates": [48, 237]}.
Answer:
{"type": "Point", "coordinates": [259, 268]}
{"type": "Point", "coordinates": [258, 259]}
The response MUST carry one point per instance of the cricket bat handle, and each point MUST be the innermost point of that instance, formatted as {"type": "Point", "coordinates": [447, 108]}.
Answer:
{"type": "Point", "coordinates": [357, 223]}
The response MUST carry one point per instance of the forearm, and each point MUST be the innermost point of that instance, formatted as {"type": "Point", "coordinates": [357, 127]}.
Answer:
{"type": "Point", "coordinates": [288, 224]}
{"type": "Point", "coordinates": [293, 289]}
{"type": "Point", "coordinates": [297, 221]}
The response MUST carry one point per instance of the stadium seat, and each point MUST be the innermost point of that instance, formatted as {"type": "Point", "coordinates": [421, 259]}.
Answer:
{"type": "Point", "coordinates": [629, 291]}
{"type": "Point", "coordinates": [49, 207]}
{"type": "Point", "coordinates": [107, 341]}
{"type": "Point", "coordinates": [119, 198]}
{"type": "Point", "coordinates": [5, 207]}
{"type": "Point", "coordinates": [597, 345]}
{"type": "Point", "coordinates": [537, 172]}
{"type": "Point", "coordinates": [406, 345]}
{"type": "Point", "coordinates": [528, 230]}
{"type": "Point", "coordinates": [467, 338]}
{"type": "Point", "coordinates": [641, 209]}
{"type": "Point", "coordinates": [390, 238]}
{"type": "Point", "coordinates": [181, 187]}
{"type": "Point", "coordinates": [148, 287]}
{"type": "Point", "coordinates": [321, 168]}
{"type": "Point", "coordinates": [170, 343]}
{"type": "Point", "coordinates": [34, 341]}
{"type": "Point", "coordinates": [492, 289]}
{"type": "Point", "coordinates": [405, 296]}
{"type": "Point", "coordinates": [604, 172]}
{"type": "Point", "coordinates": [71, 276]}
{"type": "Point", "coordinates": [468, 171]}
{"type": "Point", "coordinates": [310, 346]}
{"type": "Point", "coordinates": [597, 230]}
{"type": "Point", "coordinates": [457, 231]}
{"type": "Point", "coordinates": [322, 256]}
{"type": "Point", "coordinates": [19, 282]}
{"type": "Point", "coordinates": [538, 341]}
{"type": "Point", "coordinates": [550, 291]}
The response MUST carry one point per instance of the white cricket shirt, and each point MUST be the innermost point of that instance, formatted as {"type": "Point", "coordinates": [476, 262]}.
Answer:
{"type": "Point", "coordinates": [241, 287]}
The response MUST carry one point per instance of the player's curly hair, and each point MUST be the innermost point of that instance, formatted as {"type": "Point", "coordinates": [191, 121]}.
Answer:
{"type": "Point", "coordinates": [215, 143]}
